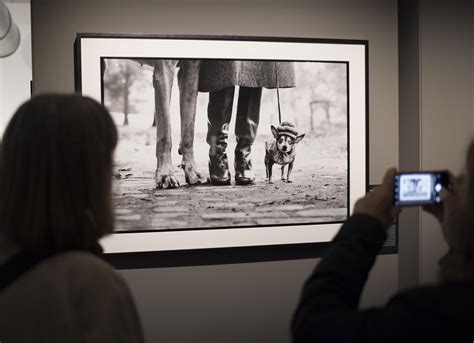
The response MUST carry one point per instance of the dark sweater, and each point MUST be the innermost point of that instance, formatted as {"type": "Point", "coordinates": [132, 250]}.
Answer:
{"type": "Point", "coordinates": [328, 310]}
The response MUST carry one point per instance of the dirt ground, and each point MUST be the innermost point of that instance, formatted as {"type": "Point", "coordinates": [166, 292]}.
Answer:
{"type": "Point", "coordinates": [318, 192]}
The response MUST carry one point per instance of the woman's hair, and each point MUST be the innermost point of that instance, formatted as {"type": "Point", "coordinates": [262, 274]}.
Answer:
{"type": "Point", "coordinates": [56, 173]}
{"type": "Point", "coordinates": [458, 263]}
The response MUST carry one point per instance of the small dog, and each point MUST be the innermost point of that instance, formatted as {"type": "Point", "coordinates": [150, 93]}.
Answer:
{"type": "Point", "coordinates": [282, 150]}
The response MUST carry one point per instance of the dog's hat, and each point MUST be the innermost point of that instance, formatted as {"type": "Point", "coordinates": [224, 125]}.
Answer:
{"type": "Point", "coordinates": [287, 128]}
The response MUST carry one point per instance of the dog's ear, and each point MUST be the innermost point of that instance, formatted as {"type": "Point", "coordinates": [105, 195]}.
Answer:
{"type": "Point", "coordinates": [274, 132]}
{"type": "Point", "coordinates": [299, 138]}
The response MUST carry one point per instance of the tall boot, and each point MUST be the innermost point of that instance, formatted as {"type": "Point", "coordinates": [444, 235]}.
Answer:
{"type": "Point", "coordinates": [246, 125]}
{"type": "Point", "coordinates": [219, 112]}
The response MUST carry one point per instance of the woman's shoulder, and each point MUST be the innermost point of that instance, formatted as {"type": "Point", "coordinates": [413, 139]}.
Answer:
{"type": "Point", "coordinates": [79, 289]}
{"type": "Point", "coordinates": [79, 259]}
{"type": "Point", "coordinates": [70, 269]}
{"type": "Point", "coordinates": [87, 280]}
{"type": "Point", "coordinates": [81, 266]}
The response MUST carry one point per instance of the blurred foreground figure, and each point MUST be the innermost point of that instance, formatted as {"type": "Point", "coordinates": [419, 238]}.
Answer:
{"type": "Point", "coordinates": [55, 204]}
{"type": "Point", "coordinates": [328, 310]}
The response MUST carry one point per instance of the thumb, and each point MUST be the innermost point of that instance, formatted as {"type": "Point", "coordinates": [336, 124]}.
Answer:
{"type": "Point", "coordinates": [388, 179]}
{"type": "Point", "coordinates": [446, 196]}
{"type": "Point", "coordinates": [453, 181]}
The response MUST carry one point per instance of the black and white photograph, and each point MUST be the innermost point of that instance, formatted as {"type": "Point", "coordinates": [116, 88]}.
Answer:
{"type": "Point", "coordinates": [416, 187]}
{"type": "Point", "coordinates": [239, 141]}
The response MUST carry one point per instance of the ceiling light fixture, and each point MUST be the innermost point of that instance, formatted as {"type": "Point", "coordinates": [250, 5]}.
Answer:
{"type": "Point", "coordinates": [9, 32]}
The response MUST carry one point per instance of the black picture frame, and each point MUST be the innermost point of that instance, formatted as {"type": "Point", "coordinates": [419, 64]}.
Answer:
{"type": "Point", "coordinates": [224, 253]}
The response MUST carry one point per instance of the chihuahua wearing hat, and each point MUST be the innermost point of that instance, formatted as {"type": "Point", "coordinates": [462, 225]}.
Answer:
{"type": "Point", "coordinates": [282, 150]}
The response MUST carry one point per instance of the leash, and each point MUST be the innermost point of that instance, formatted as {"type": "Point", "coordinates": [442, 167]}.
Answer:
{"type": "Point", "coordinates": [278, 92]}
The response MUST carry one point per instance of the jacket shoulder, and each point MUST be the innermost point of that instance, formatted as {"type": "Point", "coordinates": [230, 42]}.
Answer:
{"type": "Point", "coordinates": [84, 267]}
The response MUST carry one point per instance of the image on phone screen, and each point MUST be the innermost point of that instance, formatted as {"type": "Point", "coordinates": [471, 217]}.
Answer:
{"type": "Point", "coordinates": [418, 188]}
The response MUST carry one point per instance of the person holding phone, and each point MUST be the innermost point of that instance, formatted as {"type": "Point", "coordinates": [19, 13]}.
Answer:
{"type": "Point", "coordinates": [328, 309]}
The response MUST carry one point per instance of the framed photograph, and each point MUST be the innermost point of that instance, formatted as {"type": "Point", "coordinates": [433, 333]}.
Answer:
{"type": "Point", "coordinates": [229, 141]}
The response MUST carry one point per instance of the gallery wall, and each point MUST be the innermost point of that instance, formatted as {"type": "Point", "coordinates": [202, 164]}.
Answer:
{"type": "Point", "coordinates": [240, 302]}
{"type": "Point", "coordinates": [436, 64]}
{"type": "Point", "coordinates": [446, 107]}
{"type": "Point", "coordinates": [409, 142]}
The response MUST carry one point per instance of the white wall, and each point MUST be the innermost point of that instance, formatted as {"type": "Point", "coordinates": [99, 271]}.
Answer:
{"type": "Point", "coordinates": [16, 69]}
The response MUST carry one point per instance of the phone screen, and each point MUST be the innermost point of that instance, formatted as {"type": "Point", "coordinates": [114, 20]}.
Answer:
{"type": "Point", "coordinates": [420, 188]}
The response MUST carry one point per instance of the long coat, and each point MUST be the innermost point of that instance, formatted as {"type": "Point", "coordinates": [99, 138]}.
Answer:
{"type": "Point", "coordinates": [219, 74]}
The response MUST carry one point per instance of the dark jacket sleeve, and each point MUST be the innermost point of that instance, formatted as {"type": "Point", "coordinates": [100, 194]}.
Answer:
{"type": "Point", "coordinates": [328, 305]}
{"type": "Point", "coordinates": [328, 310]}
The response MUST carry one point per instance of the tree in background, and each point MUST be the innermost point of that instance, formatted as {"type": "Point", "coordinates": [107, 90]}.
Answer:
{"type": "Point", "coordinates": [121, 78]}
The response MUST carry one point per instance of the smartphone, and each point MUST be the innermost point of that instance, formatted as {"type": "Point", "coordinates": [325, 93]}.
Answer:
{"type": "Point", "coordinates": [419, 188]}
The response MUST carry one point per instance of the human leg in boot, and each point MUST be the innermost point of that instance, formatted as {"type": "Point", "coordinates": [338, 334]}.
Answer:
{"type": "Point", "coordinates": [246, 125]}
{"type": "Point", "coordinates": [219, 112]}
